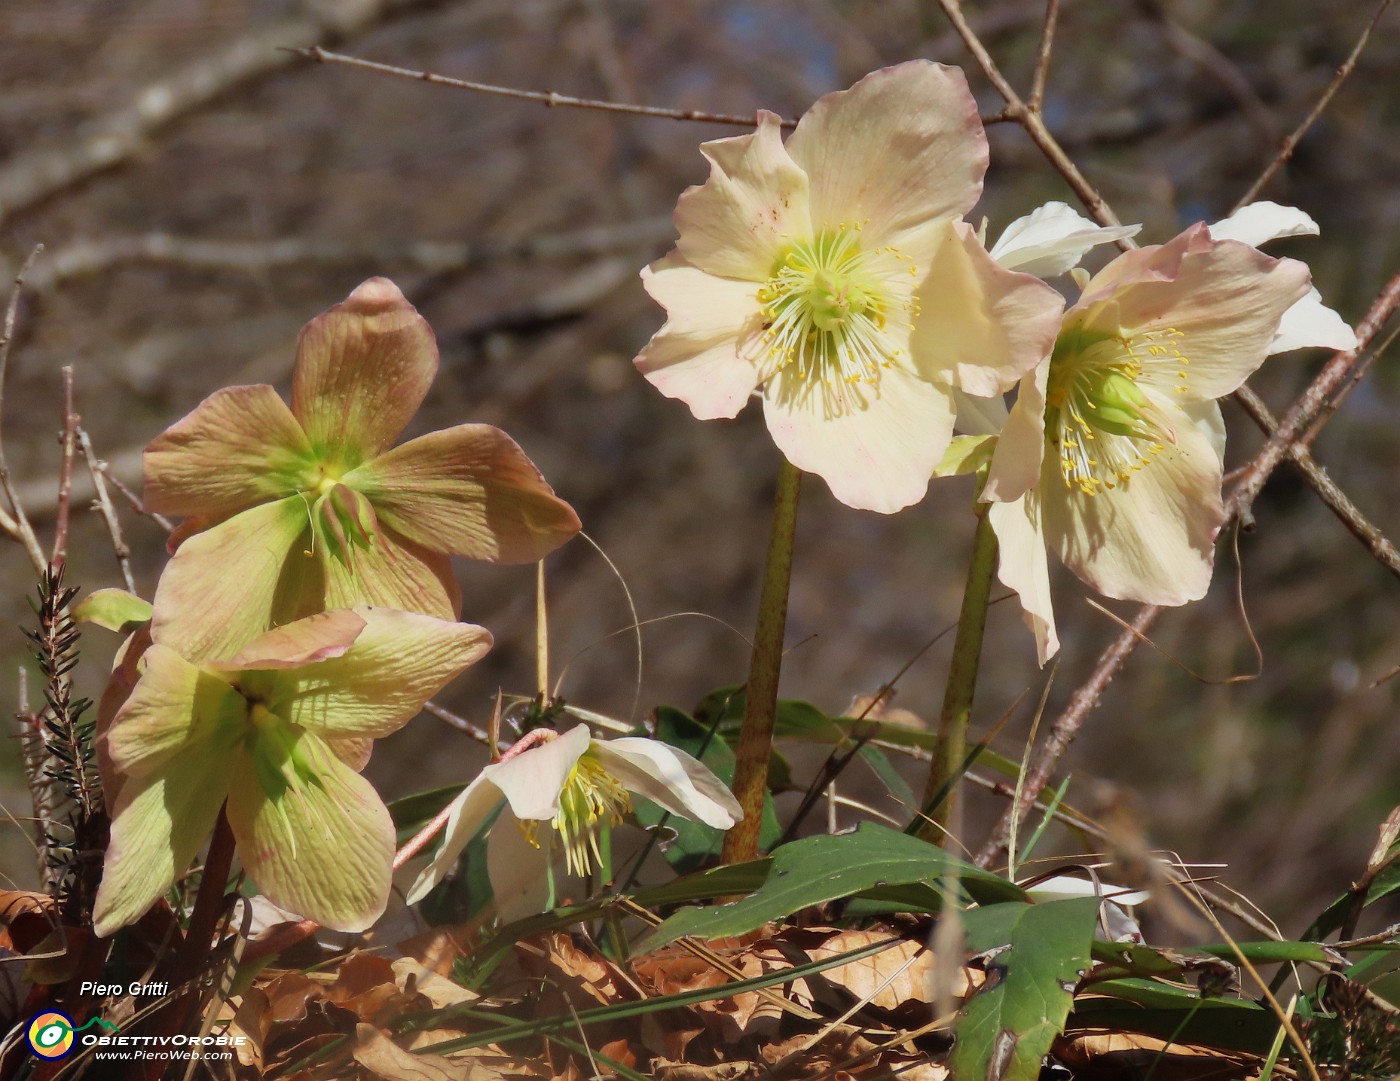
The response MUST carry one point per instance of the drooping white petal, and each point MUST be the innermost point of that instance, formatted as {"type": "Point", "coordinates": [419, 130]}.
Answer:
{"type": "Point", "coordinates": [1259, 223]}
{"type": "Point", "coordinates": [670, 778]}
{"type": "Point", "coordinates": [1052, 239]}
{"type": "Point", "coordinates": [979, 416]}
{"type": "Point", "coordinates": [532, 780]}
{"type": "Point", "coordinates": [519, 871]}
{"type": "Point", "coordinates": [1021, 444]}
{"type": "Point", "coordinates": [470, 811]}
{"type": "Point", "coordinates": [1022, 566]}
{"type": "Point", "coordinates": [1310, 323]}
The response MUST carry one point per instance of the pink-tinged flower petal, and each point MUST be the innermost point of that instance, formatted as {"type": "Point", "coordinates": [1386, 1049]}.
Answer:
{"type": "Point", "coordinates": [392, 572]}
{"type": "Point", "coordinates": [901, 148]}
{"type": "Point", "coordinates": [670, 778]}
{"type": "Point", "coordinates": [379, 684]}
{"type": "Point", "coordinates": [355, 753]}
{"type": "Point", "coordinates": [323, 848]}
{"type": "Point", "coordinates": [738, 222]}
{"type": "Point", "coordinates": [699, 356]}
{"type": "Point", "coordinates": [159, 824]}
{"type": "Point", "coordinates": [1258, 223]}
{"type": "Point", "coordinates": [306, 641]}
{"type": "Point", "coordinates": [172, 704]}
{"type": "Point", "coordinates": [1152, 538]}
{"type": "Point", "coordinates": [519, 871]}
{"type": "Point", "coordinates": [113, 610]}
{"type": "Point", "coordinates": [1021, 444]}
{"type": "Point", "coordinates": [241, 446]}
{"type": "Point", "coordinates": [126, 670]}
{"type": "Point", "coordinates": [1311, 324]}
{"type": "Point", "coordinates": [362, 370]}
{"type": "Point", "coordinates": [532, 780]}
{"type": "Point", "coordinates": [1021, 566]}
{"type": "Point", "coordinates": [229, 584]}
{"type": "Point", "coordinates": [470, 812]}
{"type": "Point", "coordinates": [1052, 239]}
{"type": "Point", "coordinates": [468, 490]}
{"type": "Point", "coordinates": [875, 446]}
{"type": "Point", "coordinates": [980, 326]}
{"type": "Point", "coordinates": [1224, 298]}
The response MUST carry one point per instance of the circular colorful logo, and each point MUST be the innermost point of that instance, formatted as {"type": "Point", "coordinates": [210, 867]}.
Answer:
{"type": "Point", "coordinates": [50, 1034]}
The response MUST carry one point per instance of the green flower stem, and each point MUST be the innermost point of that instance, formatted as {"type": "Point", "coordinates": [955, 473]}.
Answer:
{"type": "Point", "coordinates": [951, 748]}
{"type": "Point", "coordinates": [761, 698]}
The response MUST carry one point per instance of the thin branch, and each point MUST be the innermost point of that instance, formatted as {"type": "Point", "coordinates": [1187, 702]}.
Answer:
{"type": "Point", "coordinates": [135, 500]}
{"type": "Point", "coordinates": [15, 522]}
{"type": "Point", "coordinates": [1042, 62]}
{"type": "Point", "coordinates": [103, 505]}
{"type": "Point", "coordinates": [111, 140]}
{"type": "Point", "coordinates": [65, 471]}
{"type": "Point", "coordinates": [1337, 501]}
{"type": "Point", "coordinates": [1290, 144]}
{"type": "Point", "coordinates": [460, 723]}
{"type": "Point", "coordinates": [548, 98]}
{"type": "Point", "coordinates": [1237, 506]}
{"type": "Point", "coordinates": [1018, 111]}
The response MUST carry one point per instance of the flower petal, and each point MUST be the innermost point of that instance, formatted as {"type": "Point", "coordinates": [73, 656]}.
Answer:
{"type": "Point", "coordinates": [322, 846]}
{"type": "Point", "coordinates": [901, 148]}
{"type": "Point", "coordinates": [1022, 566]}
{"type": "Point", "coordinates": [670, 778]}
{"type": "Point", "coordinates": [1052, 239]}
{"type": "Point", "coordinates": [737, 223]}
{"type": "Point", "coordinates": [241, 446]}
{"type": "Point", "coordinates": [1310, 323]}
{"type": "Point", "coordinates": [1259, 223]}
{"type": "Point", "coordinates": [1225, 299]}
{"type": "Point", "coordinates": [876, 446]}
{"type": "Point", "coordinates": [470, 811]}
{"type": "Point", "coordinates": [229, 584]}
{"type": "Point", "coordinates": [1016, 465]}
{"type": "Point", "coordinates": [1152, 538]}
{"type": "Point", "coordinates": [519, 871]}
{"type": "Point", "coordinates": [362, 370]}
{"type": "Point", "coordinates": [393, 572]}
{"type": "Point", "coordinates": [469, 491]}
{"type": "Point", "coordinates": [159, 823]}
{"type": "Point", "coordinates": [113, 610]}
{"type": "Point", "coordinates": [172, 705]}
{"type": "Point", "coordinates": [699, 356]}
{"type": "Point", "coordinates": [532, 780]}
{"type": "Point", "coordinates": [305, 641]}
{"type": "Point", "coordinates": [980, 326]}
{"type": "Point", "coordinates": [378, 684]}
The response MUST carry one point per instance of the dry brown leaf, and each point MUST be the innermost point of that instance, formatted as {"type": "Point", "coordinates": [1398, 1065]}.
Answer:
{"type": "Point", "coordinates": [414, 978]}
{"type": "Point", "coordinates": [387, 1060]}
{"type": "Point", "coordinates": [881, 707]}
{"type": "Point", "coordinates": [1115, 1054]}
{"type": "Point", "coordinates": [440, 948]}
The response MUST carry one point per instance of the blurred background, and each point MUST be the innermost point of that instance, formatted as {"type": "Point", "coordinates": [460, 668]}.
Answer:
{"type": "Point", "coordinates": [202, 194]}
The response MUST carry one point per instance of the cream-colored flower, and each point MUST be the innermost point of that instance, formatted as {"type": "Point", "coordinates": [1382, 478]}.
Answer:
{"type": "Point", "coordinates": [576, 784]}
{"type": "Point", "coordinates": [834, 273]}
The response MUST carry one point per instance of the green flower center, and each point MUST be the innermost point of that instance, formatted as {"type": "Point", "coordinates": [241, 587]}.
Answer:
{"type": "Point", "coordinates": [834, 309]}
{"type": "Point", "coordinates": [1100, 420]}
{"type": "Point", "coordinates": [591, 796]}
{"type": "Point", "coordinates": [342, 520]}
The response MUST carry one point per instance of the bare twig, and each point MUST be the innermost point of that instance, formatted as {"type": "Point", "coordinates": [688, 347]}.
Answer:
{"type": "Point", "coordinates": [15, 522]}
{"type": "Point", "coordinates": [65, 471]}
{"type": "Point", "coordinates": [103, 505]}
{"type": "Point", "coordinates": [1042, 61]}
{"type": "Point", "coordinates": [1326, 488]}
{"type": "Point", "coordinates": [547, 98]}
{"type": "Point", "coordinates": [111, 140]}
{"type": "Point", "coordinates": [1290, 144]}
{"type": "Point", "coordinates": [1018, 111]}
{"type": "Point", "coordinates": [1301, 414]}
{"type": "Point", "coordinates": [460, 723]}
{"type": "Point", "coordinates": [135, 500]}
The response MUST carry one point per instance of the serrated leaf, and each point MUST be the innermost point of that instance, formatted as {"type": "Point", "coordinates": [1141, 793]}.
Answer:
{"type": "Point", "coordinates": [1038, 952]}
{"type": "Point", "coordinates": [820, 869]}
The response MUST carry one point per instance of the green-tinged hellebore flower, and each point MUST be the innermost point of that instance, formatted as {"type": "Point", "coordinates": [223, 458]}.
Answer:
{"type": "Point", "coordinates": [297, 510]}
{"type": "Point", "coordinates": [834, 273]}
{"type": "Point", "coordinates": [279, 730]}
{"type": "Point", "coordinates": [575, 783]}
{"type": "Point", "coordinates": [1112, 455]}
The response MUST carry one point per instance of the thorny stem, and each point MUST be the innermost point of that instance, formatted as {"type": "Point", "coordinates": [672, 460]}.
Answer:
{"type": "Point", "coordinates": [951, 748]}
{"type": "Point", "coordinates": [761, 698]}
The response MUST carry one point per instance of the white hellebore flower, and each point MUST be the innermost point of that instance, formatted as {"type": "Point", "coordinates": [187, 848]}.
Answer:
{"type": "Point", "coordinates": [1113, 452]}
{"type": "Point", "coordinates": [1115, 913]}
{"type": "Point", "coordinates": [835, 275]}
{"type": "Point", "coordinates": [574, 783]}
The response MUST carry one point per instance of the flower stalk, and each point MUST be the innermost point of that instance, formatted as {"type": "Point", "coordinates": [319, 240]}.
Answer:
{"type": "Point", "coordinates": [951, 747]}
{"type": "Point", "coordinates": [761, 699]}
